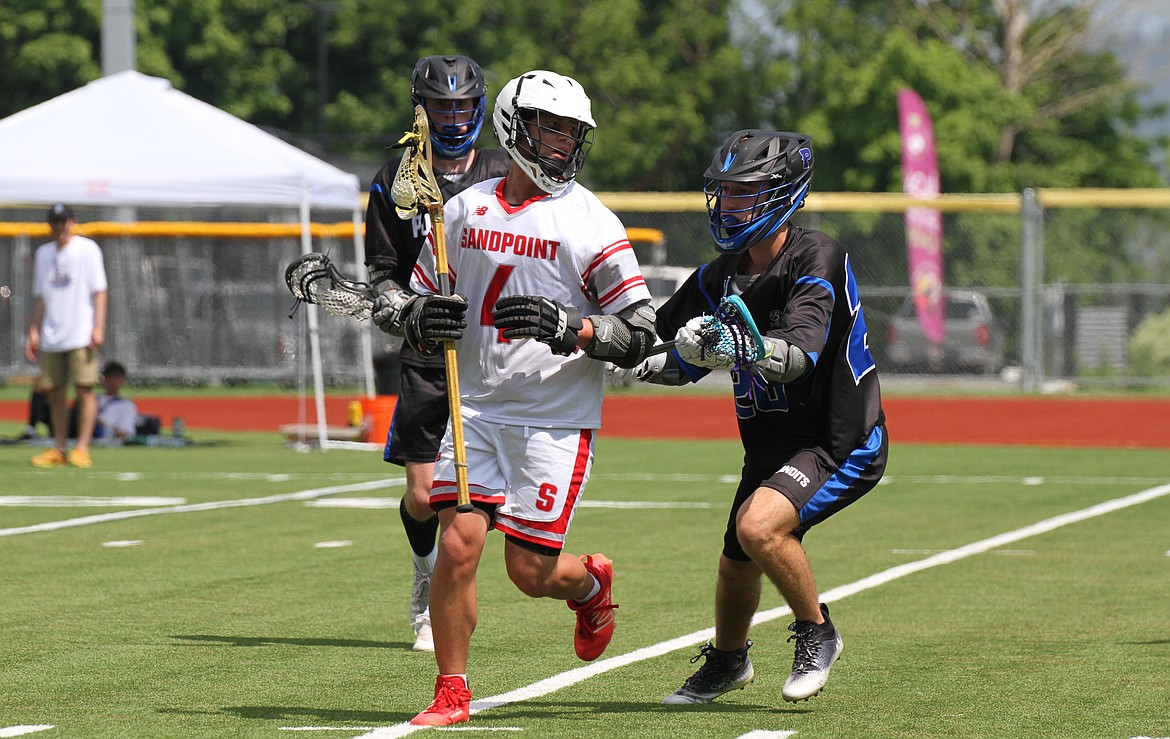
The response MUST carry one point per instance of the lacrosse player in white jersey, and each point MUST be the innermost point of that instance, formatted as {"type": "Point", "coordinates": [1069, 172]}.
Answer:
{"type": "Point", "coordinates": [547, 291]}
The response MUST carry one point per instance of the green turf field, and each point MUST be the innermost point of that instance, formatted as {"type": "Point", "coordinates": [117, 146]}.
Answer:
{"type": "Point", "coordinates": [250, 610]}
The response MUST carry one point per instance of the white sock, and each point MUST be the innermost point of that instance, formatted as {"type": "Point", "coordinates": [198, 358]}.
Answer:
{"type": "Point", "coordinates": [462, 677]}
{"type": "Point", "coordinates": [426, 564]}
{"type": "Point", "coordinates": [592, 592]}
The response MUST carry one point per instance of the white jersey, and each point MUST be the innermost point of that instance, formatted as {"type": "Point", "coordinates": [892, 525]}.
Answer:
{"type": "Point", "coordinates": [66, 279]}
{"type": "Point", "coordinates": [568, 247]}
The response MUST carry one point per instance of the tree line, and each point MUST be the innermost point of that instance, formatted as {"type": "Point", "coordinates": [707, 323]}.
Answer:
{"type": "Point", "coordinates": [1018, 98]}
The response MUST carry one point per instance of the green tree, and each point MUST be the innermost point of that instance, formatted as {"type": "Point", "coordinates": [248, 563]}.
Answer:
{"type": "Point", "coordinates": [248, 57]}
{"type": "Point", "coordinates": [1017, 101]}
{"type": "Point", "coordinates": [1017, 98]}
{"type": "Point", "coordinates": [658, 74]}
{"type": "Point", "coordinates": [47, 47]}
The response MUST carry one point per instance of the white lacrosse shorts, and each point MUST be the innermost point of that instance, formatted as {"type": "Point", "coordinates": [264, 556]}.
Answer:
{"type": "Point", "coordinates": [534, 476]}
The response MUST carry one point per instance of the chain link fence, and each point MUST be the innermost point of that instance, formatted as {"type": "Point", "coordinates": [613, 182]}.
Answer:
{"type": "Point", "coordinates": [1046, 289]}
{"type": "Point", "coordinates": [1025, 308]}
{"type": "Point", "coordinates": [195, 309]}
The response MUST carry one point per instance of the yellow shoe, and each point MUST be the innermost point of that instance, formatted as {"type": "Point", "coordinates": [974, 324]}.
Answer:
{"type": "Point", "coordinates": [49, 458]}
{"type": "Point", "coordinates": [81, 459]}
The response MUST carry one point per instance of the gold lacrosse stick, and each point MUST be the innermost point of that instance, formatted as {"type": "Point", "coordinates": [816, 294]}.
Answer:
{"type": "Point", "coordinates": [415, 187]}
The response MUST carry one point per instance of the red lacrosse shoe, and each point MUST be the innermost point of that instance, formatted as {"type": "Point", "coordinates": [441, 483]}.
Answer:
{"type": "Point", "coordinates": [595, 617]}
{"type": "Point", "coordinates": [452, 703]}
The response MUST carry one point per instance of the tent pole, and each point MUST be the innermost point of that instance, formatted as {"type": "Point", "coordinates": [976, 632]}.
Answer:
{"type": "Point", "coordinates": [359, 250]}
{"type": "Point", "coordinates": [314, 335]}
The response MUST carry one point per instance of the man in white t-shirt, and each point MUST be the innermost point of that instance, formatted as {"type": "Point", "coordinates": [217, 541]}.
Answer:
{"type": "Point", "coordinates": [548, 290]}
{"type": "Point", "coordinates": [67, 329]}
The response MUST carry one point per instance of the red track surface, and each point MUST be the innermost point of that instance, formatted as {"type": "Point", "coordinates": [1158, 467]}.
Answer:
{"type": "Point", "coordinates": [1078, 422]}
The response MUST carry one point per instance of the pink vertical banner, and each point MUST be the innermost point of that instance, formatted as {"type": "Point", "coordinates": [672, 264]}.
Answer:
{"type": "Point", "coordinates": [923, 225]}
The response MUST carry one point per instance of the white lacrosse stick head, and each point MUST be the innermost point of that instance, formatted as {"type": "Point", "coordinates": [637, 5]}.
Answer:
{"type": "Point", "coordinates": [414, 183]}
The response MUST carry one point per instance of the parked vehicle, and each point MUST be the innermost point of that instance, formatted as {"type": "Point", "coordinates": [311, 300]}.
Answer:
{"type": "Point", "coordinates": [973, 339]}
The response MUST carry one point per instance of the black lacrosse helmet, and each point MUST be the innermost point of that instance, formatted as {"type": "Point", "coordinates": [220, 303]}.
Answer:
{"type": "Point", "coordinates": [451, 77]}
{"type": "Point", "coordinates": [782, 164]}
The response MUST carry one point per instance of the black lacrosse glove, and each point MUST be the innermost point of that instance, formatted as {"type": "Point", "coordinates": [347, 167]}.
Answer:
{"type": "Point", "coordinates": [543, 319]}
{"type": "Point", "coordinates": [429, 319]}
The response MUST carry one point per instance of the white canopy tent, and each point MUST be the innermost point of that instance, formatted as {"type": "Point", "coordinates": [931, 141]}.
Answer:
{"type": "Point", "coordinates": [133, 140]}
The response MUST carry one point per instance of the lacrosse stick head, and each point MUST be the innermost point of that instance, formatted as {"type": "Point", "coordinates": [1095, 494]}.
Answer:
{"type": "Point", "coordinates": [731, 332]}
{"type": "Point", "coordinates": [414, 183]}
{"type": "Point", "coordinates": [313, 279]}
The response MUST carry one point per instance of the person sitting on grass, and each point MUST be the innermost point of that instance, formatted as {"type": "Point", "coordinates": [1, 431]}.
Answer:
{"type": "Point", "coordinates": [117, 417]}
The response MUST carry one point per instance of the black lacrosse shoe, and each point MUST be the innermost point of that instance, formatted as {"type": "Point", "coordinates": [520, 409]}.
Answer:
{"type": "Point", "coordinates": [818, 646]}
{"type": "Point", "coordinates": [721, 673]}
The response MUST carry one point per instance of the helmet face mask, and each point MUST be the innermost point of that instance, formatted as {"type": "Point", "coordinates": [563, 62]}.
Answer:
{"type": "Point", "coordinates": [454, 93]}
{"type": "Point", "coordinates": [754, 184]}
{"type": "Point", "coordinates": [545, 123]}
{"type": "Point", "coordinates": [556, 144]}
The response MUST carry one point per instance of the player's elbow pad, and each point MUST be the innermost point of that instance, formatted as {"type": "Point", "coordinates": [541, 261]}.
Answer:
{"type": "Point", "coordinates": [783, 362]}
{"type": "Point", "coordinates": [623, 339]}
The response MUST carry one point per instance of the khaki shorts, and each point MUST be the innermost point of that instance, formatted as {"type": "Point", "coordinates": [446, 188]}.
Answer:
{"type": "Point", "coordinates": [78, 365]}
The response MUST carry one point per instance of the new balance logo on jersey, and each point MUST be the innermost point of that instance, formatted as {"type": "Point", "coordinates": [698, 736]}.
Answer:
{"type": "Point", "coordinates": [796, 474]}
{"type": "Point", "coordinates": [503, 241]}
{"type": "Point", "coordinates": [480, 211]}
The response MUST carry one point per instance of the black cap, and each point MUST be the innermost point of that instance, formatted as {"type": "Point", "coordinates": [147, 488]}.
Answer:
{"type": "Point", "coordinates": [60, 212]}
{"type": "Point", "coordinates": [114, 368]}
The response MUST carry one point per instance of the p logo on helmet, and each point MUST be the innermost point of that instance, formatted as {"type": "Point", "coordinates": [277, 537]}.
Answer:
{"type": "Point", "coordinates": [778, 164]}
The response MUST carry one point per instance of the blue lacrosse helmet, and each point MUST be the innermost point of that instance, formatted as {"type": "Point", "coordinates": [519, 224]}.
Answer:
{"type": "Point", "coordinates": [451, 77]}
{"type": "Point", "coordinates": [778, 164]}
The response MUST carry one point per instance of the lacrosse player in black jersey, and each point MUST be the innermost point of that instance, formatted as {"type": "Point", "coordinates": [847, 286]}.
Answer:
{"type": "Point", "coordinates": [452, 90]}
{"type": "Point", "coordinates": [809, 411]}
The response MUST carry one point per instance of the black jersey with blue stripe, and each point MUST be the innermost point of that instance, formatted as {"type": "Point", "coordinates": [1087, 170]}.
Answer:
{"type": "Point", "coordinates": [808, 297]}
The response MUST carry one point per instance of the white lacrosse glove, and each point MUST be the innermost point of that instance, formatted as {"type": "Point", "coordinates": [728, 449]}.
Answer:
{"type": "Point", "coordinates": [388, 310]}
{"type": "Point", "coordinates": [619, 375]}
{"type": "Point", "coordinates": [650, 368]}
{"type": "Point", "coordinates": [690, 348]}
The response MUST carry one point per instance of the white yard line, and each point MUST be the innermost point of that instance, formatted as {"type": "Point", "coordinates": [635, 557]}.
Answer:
{"type": "Point", "coordinates": [211, 506]}
{"type": "Point", "coordinates": [572, 677]}
{"type": "Point", "coordinates": [86, 501]}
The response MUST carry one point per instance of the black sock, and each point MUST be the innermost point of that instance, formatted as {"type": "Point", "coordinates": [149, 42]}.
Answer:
{"type": "Point", "coordinates": [421, 534]}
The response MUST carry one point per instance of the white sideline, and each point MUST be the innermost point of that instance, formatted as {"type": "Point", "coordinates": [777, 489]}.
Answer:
{"type": "Point", "coordinates": [572, 677]}
{"type": "Point", "coordinates": [210, 506]}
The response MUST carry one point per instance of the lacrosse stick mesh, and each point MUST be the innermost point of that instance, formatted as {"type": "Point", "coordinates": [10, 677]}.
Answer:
{"type": "Point", "coordinates": [313, 279]}
{"type": "Point", "coordinates": [414, 183]}
{"type": "Point", "coordinates": [730, 333]}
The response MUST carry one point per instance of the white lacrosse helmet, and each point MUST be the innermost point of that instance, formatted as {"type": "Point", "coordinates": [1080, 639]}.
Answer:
{"type": "Point", "coordinates": [517, 124]}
